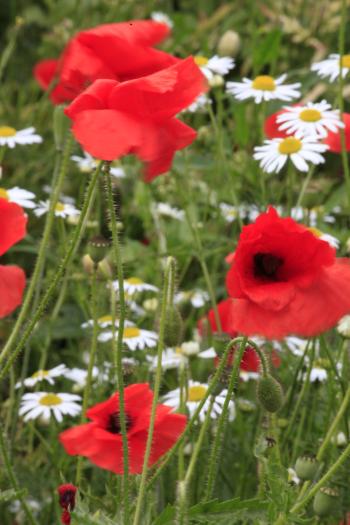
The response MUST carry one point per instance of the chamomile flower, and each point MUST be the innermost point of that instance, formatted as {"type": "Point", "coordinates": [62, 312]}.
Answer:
{"type": "Point", "coordinates": [135, 284]}
{"type": "Point", "coordinates": [199, 104]}
{"type": "Point", "coordinates": [78, 377]}
{"type": "Point", "coordinates": [62, 209]}
{"type": "Point", "coordinates": [163, 208]}
{"type": "Point", "coordinates": [44, 404]}
{"type": "Point", "coordinates": [87, 164]}
{"type": "Point", "coordinates": [215, 65]}
{"type": "Point", "coordinates": [171, 358]}
{"type": "Point", "coordinates": [318, 373]}
{"type": "Point", "coordinates": [312, 120]}
{"type": "Point", "coordinates": [331, 67]}
{"type": "Point", "coordinates": [104, 322]}
{"type": "Point", "coordinates": [274, 153]}
{"type": "Point", "coordinates": [10, 137]}
{"type": "Point", "coordinates": [264, 87]}
{"type": "Point", "coordinates": [19, 196]}
{"type": "Point", "coordinates": [197, 297]}
{"type": "Point", "coordinates": [194, 395]}
{"type": "Point", "coordinates": [44, 375]}
{"type": "Point", "coordinates": [162, 18]}
{"type": "Point", "coordinates": [133, 337]}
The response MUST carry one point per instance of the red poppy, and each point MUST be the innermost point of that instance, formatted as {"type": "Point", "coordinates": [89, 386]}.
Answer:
{"type": "Point", "coordinates": [120, 51]}
{"type": "Point", "coordinates": [271, 127]}
{"type": "Point", "coordinates": [12, 278]}
{"type": "Point", "coordinates": [225, 313]}
{"type": "Point", "coordinates": [285, 280]}
{"type": "Point", "coordinates": [250, 361]}
{"type": "Point", "coordinates": [101, 440]}
{"type": "Point", "coordinates": [113, 119]}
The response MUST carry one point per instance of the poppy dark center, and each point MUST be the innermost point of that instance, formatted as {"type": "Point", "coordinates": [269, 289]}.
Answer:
{"type": "Point", "coordinates": [266, 266]}
{"type": "Point", "coordinates": [114, 426]}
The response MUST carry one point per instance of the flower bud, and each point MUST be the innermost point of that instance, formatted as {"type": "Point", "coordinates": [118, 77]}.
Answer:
{"type": "Point", "coordinates": [88, 264]}
{"type": "Point", "coordinates": [173, 328]}
{"type": "Point", "coordinates": [269, 393]}
{"type": "Point", "coordinates": [98, 248]}
{"type": "Point", "coordinates": [104, 269]}
{"type": "Point", "coordinates": [325, 501]}
{"type": "Point", "coordinates": [216, 81]}
{"type": "Point", "coordinates": [229, 44]}
{"type": "Point", "coordinates": [306, 467]}
{"type": "Point", "coordinates": [60, 126]}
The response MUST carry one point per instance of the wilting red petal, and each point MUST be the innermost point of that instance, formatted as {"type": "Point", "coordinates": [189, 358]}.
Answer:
{"type": "Point", "coordinates": [12, 224]}
{"type": "Point", "coordinates": [12, 283]}
{"type": "Point", "coordinates": [333, 140]}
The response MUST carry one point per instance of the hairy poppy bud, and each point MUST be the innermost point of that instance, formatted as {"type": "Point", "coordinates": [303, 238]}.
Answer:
{"type": "Point", "coordinates": [98, 247]}
{"type": "Point", "coordinates": [269, 393]}
{"type": "Point", "coordinates": [306, 467]}
{"type": "Point", "coordinates": [325, 501]}
{"type": "Point", "coordinates": [173, 328]}
{"type": "Point", "coordinates": [60, 126]}
{"type": "Point", "coordinates": [229, 44]}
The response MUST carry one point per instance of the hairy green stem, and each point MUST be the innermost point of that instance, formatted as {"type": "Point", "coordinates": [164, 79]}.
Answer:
{"type": "Point", "coordinates": [334, 425]}
{"type": "Point", "coordinates": [341, 48]}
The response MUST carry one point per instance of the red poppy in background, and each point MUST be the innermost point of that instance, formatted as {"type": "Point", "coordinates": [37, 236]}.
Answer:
{"type": "Point", "coordinates": [12, 278]}
{"type": "Point", "coordinates": [112, 119]}
{"type": "Point", "coordinates": [225, 313]}
{"type": "Point", "coordinates": [271, 127]}
{"type": "Point", "coordinates": [285, 280]}
{"type": "Point", "coordinates": [250, 361]}
{"type": "Point", "coordinates": [120, 51]}
{"type": "Point", "coordinates": [101, 440]}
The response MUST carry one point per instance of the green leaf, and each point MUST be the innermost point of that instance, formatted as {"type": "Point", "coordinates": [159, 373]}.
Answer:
{"type": "Point", "coordinates": [267, 51]}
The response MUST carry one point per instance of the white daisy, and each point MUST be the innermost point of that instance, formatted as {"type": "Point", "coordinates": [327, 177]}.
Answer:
{"type": "Point", "coordinates": [44, 404]}
{"type": "Point", "coordinates": [230, 213]}
{"type": "Point", "coordinates": [311, 120]}
{"type": "Point", "coordinates": [44, 375]}
{"type": "Point", "coordinates": [332, 241]}
{"type": "Point", "coordinates": [104, 321]}
{"type": "Point", "coordinates": [163, 208]}
{"type": "Point", "coordinates": [188, 348]}
{"type": "Point", "coordinates": [87, 164]}
{"type": "Point", "coordinates": [274, 153]}
{"type": "Point", "coordinates": [318, 374]}
{"type": "Point", "coordinates": [344, 326]}
{"type": "Point", "coordinates": [331, 66]}
{"type": "Point", "coordinates": [171, 358]}
{"type": "Point", "coordinates": [133, 337]}
{"type": "Point", "coordinates": [197, 297]}
{"type": "Point", "coordinates": [10, 136]}
{"type": "Point", "coordinates": [135, 284]}
{"type": "Point", "coordinates": [215, 65]}
{"type": "Point", "coordinates": [199, 104]}
{"type": "Point", "coordinates": [79, 375]}
{"type": "Point", "coordinates": [194, 394]}
{"type": "Point", "coordinates": [263, 88]}
{"type": "Point", "coordinates": [62, 209]}
{"type": "Point", "coordinates": [19, 196]}
{"type": "Point", "coordinates": [162, 18]}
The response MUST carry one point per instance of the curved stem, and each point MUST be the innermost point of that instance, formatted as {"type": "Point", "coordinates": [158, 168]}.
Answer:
{"type": "Point", "coordinates": [304, 186]}
{"type": "Point", "coordinates": [334, 425]}
{"type": "Point", "coordinates": [58, 275]}
{"type": "Point", "coordinates": [168, 293]}
{"type": "Point", "coordinates": [344, 155]}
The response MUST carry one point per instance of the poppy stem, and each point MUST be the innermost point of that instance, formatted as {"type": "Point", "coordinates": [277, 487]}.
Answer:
{"type": "Point", "coordinates": [117, 345]}
{"type": "Point", "coordinates": [58, 177]}
{"type": "Point", "coordinates": [344, 154]}
{"type": "Point", "coordinates": [57, 276]}
{"type": "Point", "coordinates": [167, 296]}
{"type": "Point", "coordinates": [92, 355]}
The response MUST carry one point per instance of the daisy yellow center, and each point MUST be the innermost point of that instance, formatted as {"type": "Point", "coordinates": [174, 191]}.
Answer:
{"type": "Point", "coordinates": [290, 145]}
{"type": "Point", "coordinates": [264, 83]}
{"type": "Point", "coordinates": [59, 206]}
{"type": "Point", "coordinates": [310, 115]}
{"type": "Point", "coordinates": [130, 332]}
{"type": "Point", "coordinates": [105, 319]}
{"type": "Point", "coordinates": [316, 232]}
{"type": "Point", "coordinates": [201, 60]}
{"type": "Point", "coordinates": [196, 393]}
{"type": "Point", "coordinates": [178, 350]}
{"type": "Point", "coordinates": [50, 400]}
{"type": "Point", "coordinates": [134, 280]}
{"type": "Point", "coordinates": [6, 131]}
{"type": "Point", "coordinates": [3, 194]}
{"type": "Point", "coordinates": [40, 373]}
{"type": "Point", "coordinates": [345, 61]}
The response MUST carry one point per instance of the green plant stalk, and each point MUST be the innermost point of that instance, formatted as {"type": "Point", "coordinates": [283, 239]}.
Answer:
{"type": "Point", "coordinates": [344, 155]}
{"type": "Point", "coordinates": [42, 248]}
{"type": "Point", "coordinates": [334, 425]}
{"type": "Point", "coordinates": [12, 477]}
{"type": "Point", "coordinates": [182, 410]}
{"type": "Point", "coordinates": [92, 356]}
{"type": "Point", "coordinates": [212, 386]}
{"type": "Point", "coordinates": [168, 293]}
{"type": "Point", "coordinates": [220, 431]}
{"type": "Point", "coordinates": [305, 185]}
{"type": "Point", "coordinates": [58, 275]}
{"type": "Point", "coordinates": [117, 345]}
{"type": "Point", "coordinates": [342, 458]}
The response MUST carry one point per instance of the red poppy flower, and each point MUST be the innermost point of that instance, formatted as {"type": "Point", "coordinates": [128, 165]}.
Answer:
{"type": "Point", "coordinates": [120, 51]}
{"type": "Point", "coordinates": [225, 313]}
{"type": "Point", "coordinates": [271, 127]}
{"type": "Point", "coordinates": [285, 280]}
{"type": "Point", "coordinates": [113, 119]}
{"type": "Point", "coordinates": [12, 278]}
{"type": "Point", "coordinates": [250, 361]}
{"type": "Point", "coordinates": [101, 440]}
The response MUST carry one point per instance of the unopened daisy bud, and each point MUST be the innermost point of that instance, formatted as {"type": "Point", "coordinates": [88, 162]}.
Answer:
{"type": "Point", "coordinates": [216, 81]}
{"type": "Point", "coordinates": [88, 264]}
{"type": "Point", "coordinates": [98, 248]}
{"type": "Point", "coordinates": [269, 393]}
{"type": "Point", "coordinates": [326, 501]}
{"type": "Point", "coordinates": [173, 328]}
{"type": "Point", "coordinates": [340, 439]}
{"type": "Point", "coordinates": [229, 44]}
{"type": "Point", "coordinates": [151, 305]}
{"type": "Point", "coordinates": [61, 125]}
{"type": "Point", "coordinates": [104, 269]}
{"type": "Point", "coordinates": [306, 467]}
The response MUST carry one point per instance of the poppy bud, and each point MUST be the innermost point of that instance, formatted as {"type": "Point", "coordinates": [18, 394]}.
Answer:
{"type": "Point", "coordinates": [306, 467]}
{"type": "Point", "coordinates": [269, 393]}
{"type": "Point", "coordinates": [325, 501]}
{"type": "Point", "coordinates": [88, 264]}
{"type": "Point", "coordinates": [60, 126]}
{"type": "Point", "coordinates": [65, 517]}
{"type": "Point", "coordinates": [173, 328]}
{"type": "Point", "coordinates": [229, 44]}
{"type": "Point", "coordinates": [98, 247]}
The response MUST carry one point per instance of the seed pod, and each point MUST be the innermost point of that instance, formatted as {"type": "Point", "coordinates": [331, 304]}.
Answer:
{"type": "Point", "coordinates": [98, 248]}
{"type": "Point", "coordinates": [229, 44]}
{"type": "Point", "coordinates": [306, 467]}
{"type": "Point", "coordinates": [60, 126]}
{"type": "Point", "coordinates": [173, 328]}
{"type": "Point", "coordinates": [326, 501]}
{"type": "Point", "coordinates": [269, 393]}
